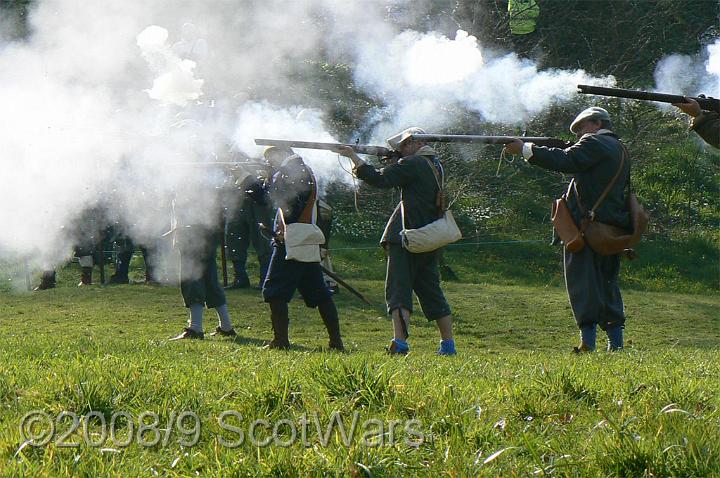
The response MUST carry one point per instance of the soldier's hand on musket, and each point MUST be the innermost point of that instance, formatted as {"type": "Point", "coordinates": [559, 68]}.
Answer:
{"type": "Point", "coordinates": [515, 147]}
{"type": "Point", "coordinates": [690, 107]}
{"type": "Point", "coordinates": [350, 153]}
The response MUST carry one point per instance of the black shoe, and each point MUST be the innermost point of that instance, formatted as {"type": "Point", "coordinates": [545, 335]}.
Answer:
{"type": "Point", "coordinates": [277, 345]}
{"type": "Point", "coordinates": [337, 346]}
{"type": "Point", "coordinates": [224, 333]}
{"type": "Point", "coordinates": [189, 333]}
{"type": "Point", "coordinates": [334, 289]}
{"type": "Point", "coordinates": [582, 349]}
{"type": "Point", "coordinates": [43, 286]}
{"type": "Point", "coordinates": [85, 276]}
{"type": "Point", "coordinates": [118, 279]}
{"type": "Point", "coordinates": [239, 284]}
{"type": "Point", "coordinates": [47, 281]}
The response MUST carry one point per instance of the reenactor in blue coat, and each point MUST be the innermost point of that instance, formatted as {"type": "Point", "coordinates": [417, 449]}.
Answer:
{"type": "Point", "coordinates": [293, 190]}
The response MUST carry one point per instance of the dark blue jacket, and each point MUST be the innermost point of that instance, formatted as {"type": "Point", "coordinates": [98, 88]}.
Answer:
{"type": "Point", "coordinates": [593, 160]}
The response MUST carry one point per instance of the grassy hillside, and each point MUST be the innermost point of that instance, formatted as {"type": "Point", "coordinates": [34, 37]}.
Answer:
{"type": "Point", "coordinates": [514, 402]}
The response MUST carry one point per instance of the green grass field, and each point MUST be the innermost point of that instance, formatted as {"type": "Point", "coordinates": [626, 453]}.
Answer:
{"type": "Point", "coordinates": [514, 402]}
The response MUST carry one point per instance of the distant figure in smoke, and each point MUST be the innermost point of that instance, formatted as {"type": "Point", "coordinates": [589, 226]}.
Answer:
{"type": "Point", "coordinates": [47, 280]}
{"type": "Point", "coordinates": [294, 192]}
{"type": "Point", "coordinates": [416, 175]}
{"type": "Point", "coordinates": [199, 282]}
{"type": "Point", "coordinates": [90, 245]}
{"type": "Point", "coordinates": [124, 247]}
{"type": "Point", "coordinates": [88, 236]}
{"type": "Point", "coordinates": [590, 278]}
{"type": "Point", "coordinates": [704, 123]}
{"type": "Point", "coordinates": [191, 46]}
{"type": "Point", "coordinates": [250, 206]}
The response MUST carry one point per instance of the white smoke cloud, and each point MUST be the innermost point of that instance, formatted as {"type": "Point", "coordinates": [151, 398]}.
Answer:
{"type": "Point", "coordinates": [176, 83]}
{"type": "Point", "coordinates": [106, 101]}
{"type": "Point", "coordinates": [418, 75]}
{"type": "Point", "coordinates": [712, 65]}
{"type": "Point", "coordinates": [690, 74]}
{"type": "Point", "coordinates": [264, 120]}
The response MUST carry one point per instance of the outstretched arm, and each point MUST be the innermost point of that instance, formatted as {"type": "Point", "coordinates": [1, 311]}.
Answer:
{"type": "Point", "coordinates": [578, 157]}
{"type": "Point", "coordinates": [392, 176]}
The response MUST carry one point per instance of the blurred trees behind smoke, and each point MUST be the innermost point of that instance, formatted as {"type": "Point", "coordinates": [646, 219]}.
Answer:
{"type": "Point", "coordinates": [674, 173]}
{"type": "Point", "coordinates": [625, 38]}
{"type": "Point", "coordinates": [13, 19]}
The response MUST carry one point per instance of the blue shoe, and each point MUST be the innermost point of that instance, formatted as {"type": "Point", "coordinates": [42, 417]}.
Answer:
{"type": "Point", "coordinates": [447, 347]}
{"type": "Point", "coordinates": [398, 347]}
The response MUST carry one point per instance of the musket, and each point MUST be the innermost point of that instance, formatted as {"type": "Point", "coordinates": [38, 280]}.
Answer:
{"type": "Point", "coordinates": [347, 286]}
{"type": "Point", "coordinates": [706, 103]}
{"type": "Point", "coordinates": [229, 164]}
{"type": "Point", "coordinates": [379, 151]}
{"type": "Point", "coordinates": [223, 256]}
{"type": "Point", "coordinates": [478, 139]}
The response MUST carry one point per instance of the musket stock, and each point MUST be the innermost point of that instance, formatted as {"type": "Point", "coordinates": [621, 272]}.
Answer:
{"type": "Point", "coordinates": [706, 103]}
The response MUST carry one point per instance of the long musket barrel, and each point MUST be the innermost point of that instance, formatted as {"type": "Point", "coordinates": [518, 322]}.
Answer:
{"type": "Point", "coordinates": [379, 151]}
{"type": "Point", "coordinates": [708, 104]}
{"type": "Point", "coordinates": [248, 164]}
{"type": "Point", "coordinates": [478, 139]}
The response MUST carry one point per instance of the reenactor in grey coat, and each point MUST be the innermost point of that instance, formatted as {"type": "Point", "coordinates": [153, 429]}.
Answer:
{"type": "Point", "coordinates": [591, 279]}
{"type": "Point", "coordinates": [409, 272]}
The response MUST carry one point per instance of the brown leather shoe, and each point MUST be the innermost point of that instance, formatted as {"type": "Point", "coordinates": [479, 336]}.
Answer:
{"type": "Point", "coordinates": [224, 333]}
{"type": "Point", "coordinates": [189, 333]}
